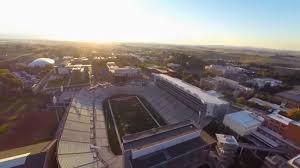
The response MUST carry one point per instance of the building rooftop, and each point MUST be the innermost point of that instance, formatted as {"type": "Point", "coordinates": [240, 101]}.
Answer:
{"type": "Point", "coordinates": [215, 93]}
{"type": "Point", "coordinates": [266, 80]}
{"type": "Point", "coordinates": [293, 95]}
{"type": "Point", "coordinates": [282, 119]}
{"type": "Point", "coordinates": [41, 62]}
{"type": "Point", "coordinates": [219, 78]}
{"type": "Point", "coordinates": [276, 160]}
{"type": "Point", "coordinates": [295, 162]}
{"type": "Point", "coordinates": [276, 136]}
{"type": "Point", "coordinates": [193, 90]}
{"type": "Point", "coordinates": [268, 104]}
{"type": "Point", "coordinates": [246, 118]}
{"type": "Point", "coordinates": [226, 139]}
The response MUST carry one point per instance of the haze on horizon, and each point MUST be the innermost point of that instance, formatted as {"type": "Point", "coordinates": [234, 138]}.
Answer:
{"type": "Point", "coordinates": [256, 23]}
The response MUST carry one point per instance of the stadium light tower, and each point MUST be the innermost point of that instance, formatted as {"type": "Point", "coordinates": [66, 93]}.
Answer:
{"type": "Point", "coordinates": [54, 100]}
{"type": "Point", "coordinates": [203, 120]}
{"type": "Point", "coordinates": [199, 116]}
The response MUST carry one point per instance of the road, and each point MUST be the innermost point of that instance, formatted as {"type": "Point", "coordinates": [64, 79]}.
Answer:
{"type": "Point", "coordinates": [20, 56]}
{"type": "Point", "coordinates": [15, 58]}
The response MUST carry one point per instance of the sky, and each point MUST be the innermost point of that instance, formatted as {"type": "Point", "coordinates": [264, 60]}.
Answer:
{"type": "Point", "coordinates": [255, 23]}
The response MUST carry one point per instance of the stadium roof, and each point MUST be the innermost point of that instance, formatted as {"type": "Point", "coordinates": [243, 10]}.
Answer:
{"type": "Point", "coordinates": [163, 144]}
{"type": "Point", "coordinates": [83, 135]}
{"type": "Point", "coordinates": [41, 62]}
{"type": "Point", "coordinates": [27, 156]}
{"type": "Point", "coordinates": [193, 90]}
{"type": "Point", "coordinates": [157, 135]}
{"type": "Point", "coordinates": [32, 149]}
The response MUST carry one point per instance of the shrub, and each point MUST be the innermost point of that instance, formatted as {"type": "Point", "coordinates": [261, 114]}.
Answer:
{"type": "Point", "coordinates": [4, 128]}
{"type": "Point", "coordinates": [12, 118]}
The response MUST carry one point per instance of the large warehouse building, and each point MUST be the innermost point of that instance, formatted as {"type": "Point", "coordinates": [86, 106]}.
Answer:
{"type": "Point", "coordinates": [192, 96]}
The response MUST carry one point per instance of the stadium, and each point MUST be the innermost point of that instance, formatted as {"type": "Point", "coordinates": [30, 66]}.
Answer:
{"type": "Point", "coordinates": [98, 119]}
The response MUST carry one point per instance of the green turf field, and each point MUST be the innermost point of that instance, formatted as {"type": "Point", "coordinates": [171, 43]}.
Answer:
{"type": "Point", "coordinates": [132, 114]}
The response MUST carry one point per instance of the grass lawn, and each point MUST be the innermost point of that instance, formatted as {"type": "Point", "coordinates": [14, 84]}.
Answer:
{"type": "Point", "coordinates": [25, 121]}
{"type": "Point", "coordinates": [9, 105]}
{"type": "Point", "coordinates": [4, 128]}
{"type": "Point", "coordinates": [10, 111]}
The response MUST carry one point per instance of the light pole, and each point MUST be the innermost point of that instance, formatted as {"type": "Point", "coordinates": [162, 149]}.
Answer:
{"type": "Point", "coordinates": [54, 100]}
{"type": "Point", "coordinates": [62, 88]}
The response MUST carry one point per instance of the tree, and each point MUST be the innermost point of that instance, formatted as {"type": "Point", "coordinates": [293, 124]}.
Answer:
{"type": "Point", "coordinates": [9, 83]}
{"type": "Point", "coordinates": [241, 100]}
{"type": "Point", "coordinates": [294, 113]}
{"type": "Point", "coordinates": [9, 79]}
{"type": "Point", "coordinates": [187, 77]}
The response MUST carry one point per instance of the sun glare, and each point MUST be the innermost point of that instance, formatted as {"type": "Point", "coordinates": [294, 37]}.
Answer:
{"type": "Point", "coordinates": [94, 20]}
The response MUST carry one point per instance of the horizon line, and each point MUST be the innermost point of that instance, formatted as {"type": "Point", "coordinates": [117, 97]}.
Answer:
{"type": "Point", "coordinates": [20, 36]}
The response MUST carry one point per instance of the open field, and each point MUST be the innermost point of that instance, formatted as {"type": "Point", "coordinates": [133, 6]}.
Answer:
{"type": "Point", "coordinates": [132, 114]}
{"type": "Point", "coordinates": [24, 121]}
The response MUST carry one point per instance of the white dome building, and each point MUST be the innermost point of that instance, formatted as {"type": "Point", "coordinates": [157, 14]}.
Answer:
{"type": "Point", "coordinates": [41, 62]}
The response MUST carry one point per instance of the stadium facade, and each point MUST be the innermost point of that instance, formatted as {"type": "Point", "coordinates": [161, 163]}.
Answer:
{"type": "Point", "coordinates": [192, 96]}
{"type": "Point", "coordinates": [175, 145]}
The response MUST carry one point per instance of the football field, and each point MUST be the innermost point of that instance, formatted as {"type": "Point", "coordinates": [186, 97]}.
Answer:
{"type": "Point", "coordinates": [128, 114]}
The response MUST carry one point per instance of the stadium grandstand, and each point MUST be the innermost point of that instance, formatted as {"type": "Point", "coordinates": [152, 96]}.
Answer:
{"type": "Point", "coordinates": [171, 109]}
{"type": "Point", "coordinates": [83, 139]}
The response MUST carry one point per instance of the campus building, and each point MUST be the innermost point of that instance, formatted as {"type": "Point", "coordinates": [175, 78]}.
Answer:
{"type": "Point", "coordinates": [222, 70]}
{"type": "Point", "coordinates": [226, 149]}
{"type": "Point", "coordinates": [284, 126]}
{"type": "Point", "coordinates": [242, 122]}
{"type": "Point", "coordinates": [123, 72]}
{"type": "Point", "coordinates": [262, 82]}
{"type": "Point", "coordinates": [192, 96]}
{"type": "Point", "coordinates": [291, 98]}
{"type": "Point", "coordinates": [278, 132]}
{"type": "Point", "coordinates": [225, 85]}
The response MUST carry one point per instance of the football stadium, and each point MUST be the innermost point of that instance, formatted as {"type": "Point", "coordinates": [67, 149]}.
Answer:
{"type": "Point", "coordinates": [97, 121]}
